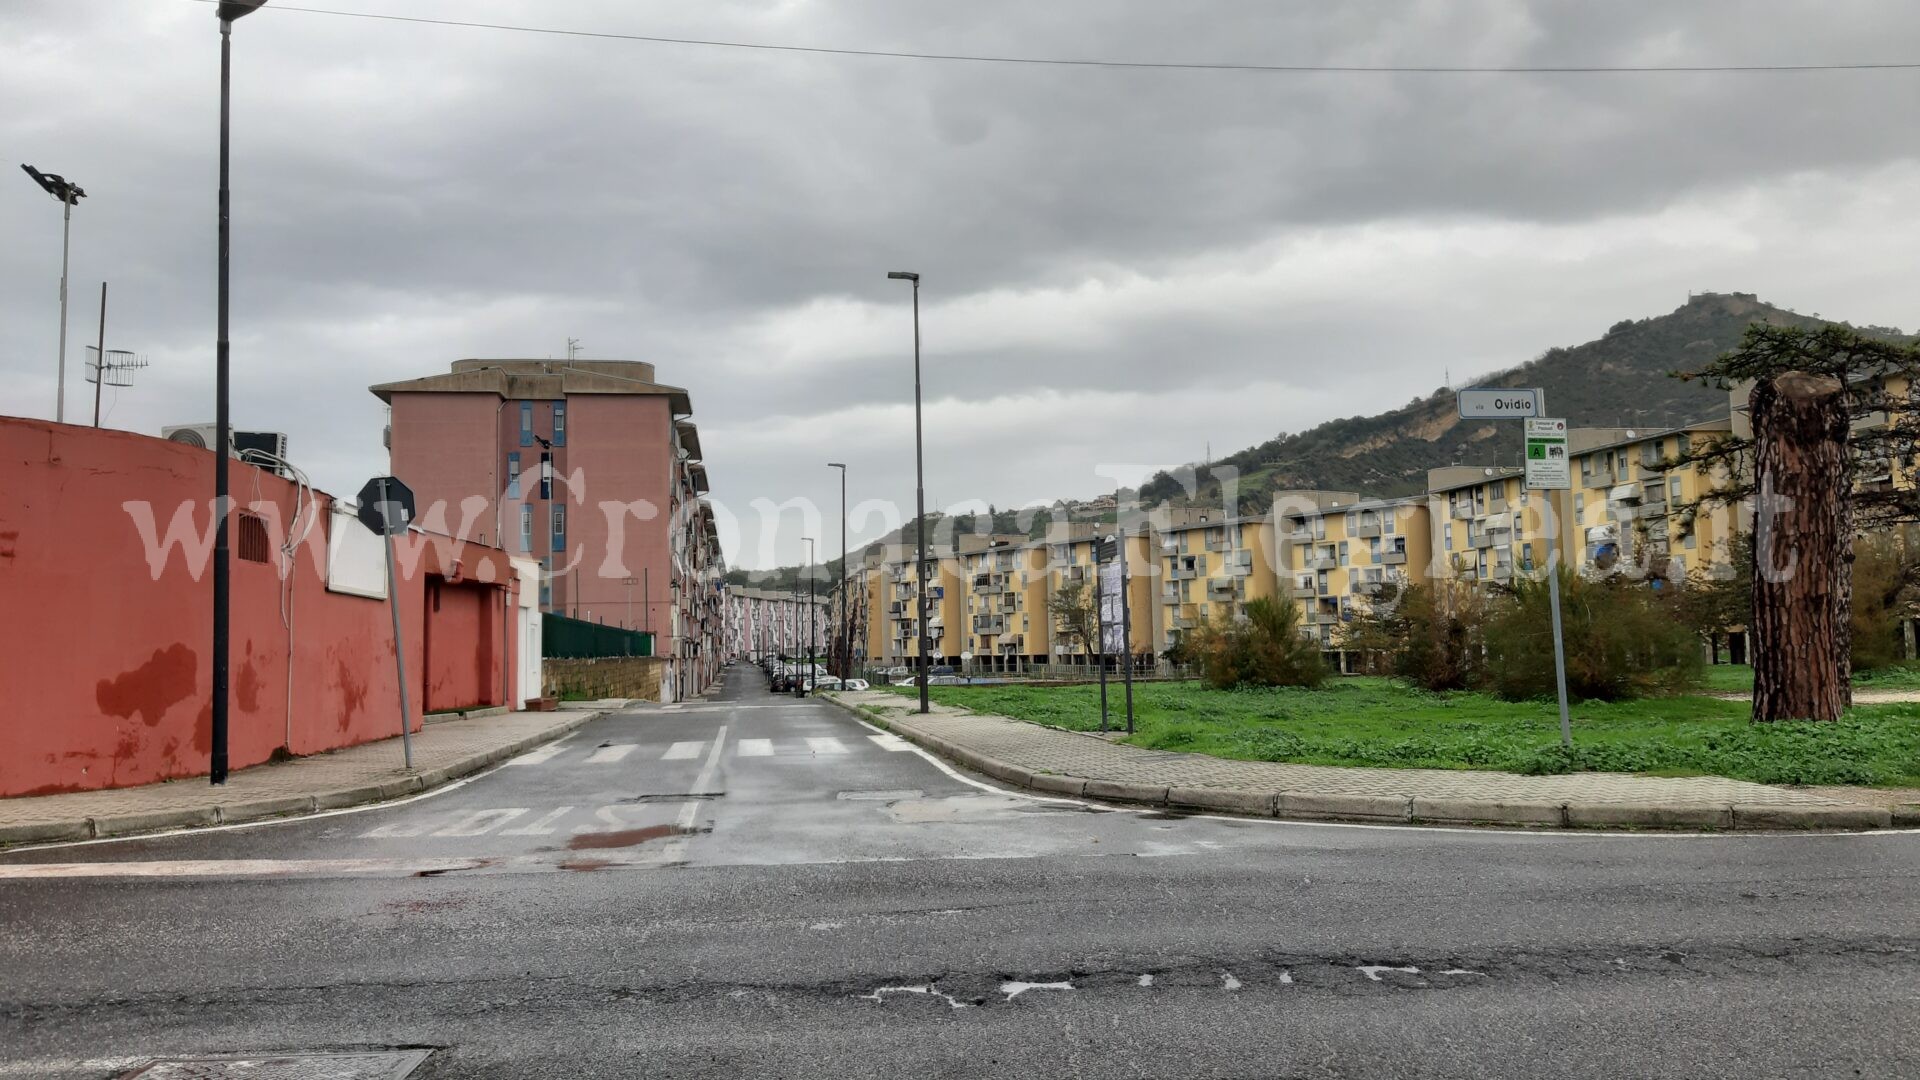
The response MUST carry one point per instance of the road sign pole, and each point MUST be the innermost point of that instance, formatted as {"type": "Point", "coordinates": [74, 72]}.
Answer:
{"type": "Point", "coordinates": [1100, 627]}
{"type": "Point", "coordinates": [1126, 628]}
{"type": "Point", "coordinates": [399, 644]}
{"type": "Point", "coordinates": [1559, 643]}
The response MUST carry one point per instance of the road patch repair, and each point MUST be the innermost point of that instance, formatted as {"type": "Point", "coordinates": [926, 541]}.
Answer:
{"type": "Point", "coordinates": [1072, 764]}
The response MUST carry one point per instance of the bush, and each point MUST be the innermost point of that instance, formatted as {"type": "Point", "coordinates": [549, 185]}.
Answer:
{"type": "Point", "coordinates": [1264, 649]}
{"type": "Point", "coordinates": [1883, 563]}
{"type": "Point", "coordinates": [1623, 640]}
{"type": "Point", "coordinates": [1430, 635]}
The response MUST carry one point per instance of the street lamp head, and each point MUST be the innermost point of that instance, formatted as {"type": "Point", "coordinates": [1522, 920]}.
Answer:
{"type": "Point", "coordinates": [56, 185]}
{"type": "Point", "coordinates": [902, 275]}
{"type": "Point", "coordinates": [836, 465]}
{"type": "Point", "coordinates": [230, 10]}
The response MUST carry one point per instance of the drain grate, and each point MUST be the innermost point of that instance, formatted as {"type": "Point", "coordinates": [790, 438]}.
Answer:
{"type": "Point", "coordinates": [359, 1065]}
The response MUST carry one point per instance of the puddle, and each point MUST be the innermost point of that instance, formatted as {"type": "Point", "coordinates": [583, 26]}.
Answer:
{"type": "Point", "coordinates": [692, 796]}
{"type": "Point", "coordinates": [952, 808]}
{"type": "Point", "coordinates": [896, 795]}
{"type": "Point", "coordinates": [624, 838]}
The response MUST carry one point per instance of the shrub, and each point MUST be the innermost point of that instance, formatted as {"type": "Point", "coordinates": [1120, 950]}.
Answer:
{"type": "Point", "coordinates": [1430, 635]}
{"type": "Point", "coordinates": [1883, 566]}
{"type": "Point", "coordinates": [1622, 639]}
{"type": "Point", "coordinates": [1263, 649]}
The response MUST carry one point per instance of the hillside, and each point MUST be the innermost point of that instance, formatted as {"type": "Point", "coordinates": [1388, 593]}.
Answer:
{"type": "Point", "coordinates": [1620, 380]}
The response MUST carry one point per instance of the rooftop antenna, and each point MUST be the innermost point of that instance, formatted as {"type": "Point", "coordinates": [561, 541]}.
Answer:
{"type": "Point", "coordinates": [573, 349]}
{"type": "Point", "coordinates": [109, 367]}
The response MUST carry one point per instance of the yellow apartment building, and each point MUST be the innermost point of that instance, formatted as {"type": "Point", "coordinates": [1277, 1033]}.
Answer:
{"type": "Point", "coordinates": [898, 607]}
{"type": "Point", "coordinates": [1006, 610]}
{"type": "Point", "coordinates": [1340, 556]}
{"type": "Point", "coordinates": [1210, 566]}
{"type": "Point", "coordinates": [1071, 560]}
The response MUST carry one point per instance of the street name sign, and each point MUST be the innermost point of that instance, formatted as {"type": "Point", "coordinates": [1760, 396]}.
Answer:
{"type": "Point", "coordinates": [1498, 403]}
{"type": "Point", "coordinates": [1548, 467]}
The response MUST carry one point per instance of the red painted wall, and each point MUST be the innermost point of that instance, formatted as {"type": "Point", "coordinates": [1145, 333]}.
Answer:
{"type": "Point", "coordinates": [105, 669]}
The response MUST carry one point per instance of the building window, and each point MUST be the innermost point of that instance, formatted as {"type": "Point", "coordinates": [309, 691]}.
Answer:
{"type": "Point", "coordinates": [546, 582]}
{"type": "Point", "coordinates": [1386, 522]}
{"type": "Point", "coordinates": [1579, 506]}
{"type": "Point", "coordinates": [559, 528]}
{"type": "Point", "coordinates": [546, 475]}
{"type": "Point", "coordinates": [559, 423]}
{"type": "Point", "coordinates": [1673, 492]}
{"type": "Point", "coordinates": [526, 423]}
{"type": "Point", "coordinates": [513, 476]}
{"type": "Point", "coordinates": [526, 528]}
{"type": "Point", "coordinates": [1343, 553]}
{"type": "Point", "coordinates": [1446, 535]}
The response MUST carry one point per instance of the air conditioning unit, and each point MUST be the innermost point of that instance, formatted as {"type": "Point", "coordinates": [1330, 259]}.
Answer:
{"type": "Point", "coordinates": [245, 444]}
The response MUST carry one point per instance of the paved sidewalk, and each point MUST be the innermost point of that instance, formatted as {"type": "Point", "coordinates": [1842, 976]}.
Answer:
{"type": "Point", "coordinates": [370, 772]}
{"type": "Point", "coordinates": [1072, 763]}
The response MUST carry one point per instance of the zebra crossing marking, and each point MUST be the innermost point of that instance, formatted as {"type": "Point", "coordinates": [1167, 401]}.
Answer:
{"type": "Point", "coordinates": [683, 751]}
{"type": "Point", "coordinates": [825, 745]}
{"type": "Point", "coordinates": [891, 742]}
{"type": "Point", "coordinates": [607, 755]}
{"type": "Point", "coordinates": [754, 748]}
{"type": "Point", "coordinates": [541, 756]}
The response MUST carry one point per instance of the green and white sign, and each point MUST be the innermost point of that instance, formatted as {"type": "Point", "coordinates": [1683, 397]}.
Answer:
{"type": "Point", "coordinates": [1548, 467]}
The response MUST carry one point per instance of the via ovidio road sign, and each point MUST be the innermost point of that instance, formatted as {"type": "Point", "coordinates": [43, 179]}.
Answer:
{"type": "Point", "coordinates": [1499, 403]}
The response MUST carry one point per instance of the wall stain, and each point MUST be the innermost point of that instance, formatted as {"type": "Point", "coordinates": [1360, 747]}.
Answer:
{"type": "Point", "coordinates": [203, 728]}
{"type": "Point", "coordinates": [165, 680]}
{"type": "Point", "coordinates": [246, 688]}
{"type": "Point", "coordinates": [6, 543]}
{"type": "Point", "coordinates": [353, 693]}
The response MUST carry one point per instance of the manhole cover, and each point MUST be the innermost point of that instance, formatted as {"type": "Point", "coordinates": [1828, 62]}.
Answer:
{"type": "Point", "coordinates": [881, 796]}
{"type": "Point", "coordinates": [364, 1065]}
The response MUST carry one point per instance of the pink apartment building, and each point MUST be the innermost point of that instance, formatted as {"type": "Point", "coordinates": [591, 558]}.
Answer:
{"type": "Point", "coordinates": [591, 467]}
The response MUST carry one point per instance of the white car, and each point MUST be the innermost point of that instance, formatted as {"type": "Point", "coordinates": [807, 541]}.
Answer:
{"type": "Point", "coordinates": [857, 684]}
{"type": "Point", "coordinates": [824, 682]}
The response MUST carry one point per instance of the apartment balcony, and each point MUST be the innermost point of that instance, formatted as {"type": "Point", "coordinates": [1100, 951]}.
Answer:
{"type": "Point", "coordinates": [1501, 571]}
{"type": "Point", "coordinates": [1305, 592]}
{"type": "Point", "coordinates": [1625, 494]}
{"type": "Point", "coordinates": [1222, 544]}
{"type": "Point", "coordinates": [1369, 588]}
{"type": "Point", "coordinates": [1221, 590]}
{"type": "Point", "coordinates": [1325, 618]}
{"type": "Point", "coordinates": [991, 590]}
{"type": "Point", "coordinates": [1367, 529]}
{"type": "Point", "coordinates": [1240, 570]}
{"type": "Point", "coordinates": [1600, 478]}
{"type": "Point", "coordinates": [1186, 573]}
{"type": "Point", "coordinates": [1182, 622]}
{"type": "Point", "coordinates": [1393, 558]}
{"type": "Point", "coordinates": [1871, 421]}
{"type": "Point", "coordinates": [1480, 542]}
{"type": "Point", "coordinates": [1463, 511]}
{"type": "Point", "coordinates": [989, 626]}
{"type": "Point", "coordinates": [1326, 562]}
{"type": "Point", "coordinates": [1494, 507]}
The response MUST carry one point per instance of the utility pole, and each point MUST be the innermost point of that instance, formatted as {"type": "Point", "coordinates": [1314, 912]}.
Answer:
{"type": "Point", "coordinates": [920, 486]}
{"type": "Point", "coordinates": [100, 356]}
{"type": "Point", "coordinates": [845, 635]}
{"type": "Point", "coordinates": [69, 194]}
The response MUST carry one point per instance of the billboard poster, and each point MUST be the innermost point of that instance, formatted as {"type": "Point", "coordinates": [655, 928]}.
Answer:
{"type": "Point", "coordinates": [1113, 633]}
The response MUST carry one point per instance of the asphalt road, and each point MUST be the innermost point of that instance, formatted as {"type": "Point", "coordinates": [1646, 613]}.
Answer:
{"type": "Point", "coordinates": [759, 886]}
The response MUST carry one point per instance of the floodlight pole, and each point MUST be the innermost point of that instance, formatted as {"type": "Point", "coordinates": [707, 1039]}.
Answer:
{"type": "Point", "coordinates": [60, 385]}
{"type": "Point", "coordinates": [919, 488]}
{"type": "Point", "coordinates": [217, 770]}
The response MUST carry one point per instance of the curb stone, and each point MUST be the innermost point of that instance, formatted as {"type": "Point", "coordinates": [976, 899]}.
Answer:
{"type": "Point", "coordinates": [1402, 809]}
{"type": "Point", "coordinates": [289, 806]}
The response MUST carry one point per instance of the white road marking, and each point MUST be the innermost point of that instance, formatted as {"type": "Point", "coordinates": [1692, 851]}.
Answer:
{"type": "Point", "coordinates": [543, 755]}
{"type": "Point", "coordinates": [1015, 989]}
{"type": "Point", "coordinates": [891, 742]}
{"type": "Point", "coordinates": [1374, 971]}
{"type": "Point", "coordinates": [233, 868]}
{"type": "Point", "coordinates": [481, 822]}
{"type": "Point", "coordinates": [1463, 971]}
{"type": "Point", "coordinates": [689, 812]}
{"type": "Point", "coordinates": [607, 755]}
{"type": "Point", "coordinates": [1146, 980]}
{"type": "Point", "coordinates": [48, 1068]}
{"type": "Point", "coordinates": [1228, 982]}
{"type": "Point", "coordinates": [755, 748]}
{"type": "Point", "coordinates": [683, 751]}
{"type": "Point", "coordinates": [826, 745]}
{"type": "Point", "coordinates": [1286, 978]}
{"type": "Point", "coordinates": [880, 994]}
{"type": "Point", "coordinates": [542, 827]}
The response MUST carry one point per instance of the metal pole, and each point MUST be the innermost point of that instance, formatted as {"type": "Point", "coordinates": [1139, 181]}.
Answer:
{"type": "Point", "coordinates": [100, 365]}
{"type": "Point", "coordinates": [217, 771]}
{"type": "Point", "coordinates": [66, 234]}
{"type": "Point", "coordinates": [1100, 630]}
{"type": "Point", "coordinates": [846, 634]}
{"type": "Point", "coordinates": [812, 636]}
{"type": "Point", "coordinates": [1559, 645]}
{"type": "Point", "coordinates": [646, 597]}
{"type": "Point", "coordinates": [399, 646]}
{"type": "Point", "coordinates": [1126, 627]}
{"type": "Point", "coordinates": [920, 499]}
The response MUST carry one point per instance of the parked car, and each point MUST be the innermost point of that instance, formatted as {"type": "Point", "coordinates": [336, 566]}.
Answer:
{"type": "Point", "coordinates": [856, 684]}
{"type": "Point", "coordinates": [827, 682]}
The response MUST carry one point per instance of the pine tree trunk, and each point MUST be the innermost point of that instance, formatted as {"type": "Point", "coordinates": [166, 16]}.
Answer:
{"type": "Point", "coordinates": [1803, 567]}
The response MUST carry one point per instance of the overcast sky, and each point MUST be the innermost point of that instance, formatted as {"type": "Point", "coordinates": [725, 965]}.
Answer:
{"type": "Point", "coordinates": [1122, 267]}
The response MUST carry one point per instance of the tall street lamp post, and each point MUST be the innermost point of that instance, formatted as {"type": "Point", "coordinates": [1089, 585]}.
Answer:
{"type": "Point", "coordinates": [813, 637]}
{"type": "Point", "coordinates": [228, 11]}
{"type": "Point", "coordinates": [846, 636]}
{"type": "Point", "coordinates": [919, 484]}
{"type": "Point", "coordinates": [69, 195]}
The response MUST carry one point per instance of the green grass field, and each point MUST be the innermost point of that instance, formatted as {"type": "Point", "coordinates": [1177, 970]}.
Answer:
{"type": "Point", "coordinates": [1379, 722]}
{"type": "Point", "coordinates": [1738, 678]}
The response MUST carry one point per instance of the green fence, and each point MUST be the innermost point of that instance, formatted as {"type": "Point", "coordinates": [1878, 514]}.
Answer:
{"type": "Point", "coordinates": [577, 639]}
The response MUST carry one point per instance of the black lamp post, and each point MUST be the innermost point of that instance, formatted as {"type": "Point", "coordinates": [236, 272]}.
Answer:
{"type": "Point", "coordinates": [845, 636]}
{"type": "Point", "coordinates": [69, 195]}
{"type": "Point", "coordinates": [919, 484]}
{"type": "Point", "coordinates": [228, 11]}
